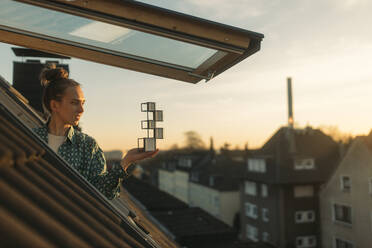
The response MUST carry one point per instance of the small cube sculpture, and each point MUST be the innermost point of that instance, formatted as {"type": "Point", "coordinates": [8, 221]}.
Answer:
{"type": "Point", "coordinates": [153, 133]}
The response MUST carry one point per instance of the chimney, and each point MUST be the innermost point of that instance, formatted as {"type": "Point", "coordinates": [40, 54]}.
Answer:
{"type": "Point", "coordinates": [290, 131]}
{"type": "Point", "coordinates": [290, 105]}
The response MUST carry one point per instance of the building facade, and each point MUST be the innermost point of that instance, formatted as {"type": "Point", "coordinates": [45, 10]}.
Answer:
{"type": "Point", "coordinates": [346, 199]}
{"type": "Point", "coordinates": [205, 180]}
{"type": "Point", "coordinates": [222, 204]}
{"type": "Point", "coordinates": [279, 193]}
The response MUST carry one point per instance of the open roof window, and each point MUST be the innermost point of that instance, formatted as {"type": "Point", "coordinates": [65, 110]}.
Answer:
{"type": "Point", "coordinates": [127, 34]}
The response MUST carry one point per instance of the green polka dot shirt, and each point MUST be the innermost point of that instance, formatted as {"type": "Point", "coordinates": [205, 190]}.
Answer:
{"type": "Point", "coordinates": [83, 153]}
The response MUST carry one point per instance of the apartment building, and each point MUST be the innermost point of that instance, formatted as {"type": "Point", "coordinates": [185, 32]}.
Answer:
{"type": "Point", "coordinates": [174, 174]}
{"type": "Point", "coordinates": [346, 199]}
{"type": "Point", "coordinates": [204, 179]}
{"type": "Point", "coordinates": [279, 192]}
{"type": "Point", "coordinates": [214, 187]}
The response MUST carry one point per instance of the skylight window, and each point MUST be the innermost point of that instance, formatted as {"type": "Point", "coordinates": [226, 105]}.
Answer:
{"type": "Point", "coordinates": [128, 34]}
{"type": "Point", "coordinates": [108, 33]}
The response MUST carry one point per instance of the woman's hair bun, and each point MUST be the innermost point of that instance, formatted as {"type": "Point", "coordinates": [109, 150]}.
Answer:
{"type": "Point", "coordinates": [52, 73]}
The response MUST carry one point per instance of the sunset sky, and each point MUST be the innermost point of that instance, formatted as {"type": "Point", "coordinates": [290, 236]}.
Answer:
{"type": "Point", "coordinates": [325, 46]}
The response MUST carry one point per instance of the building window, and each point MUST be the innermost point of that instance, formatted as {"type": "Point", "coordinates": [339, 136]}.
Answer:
{"type": "Point", "coordinates": [251, 210]}
{"type": "Point", "coordinates": [195, 176]}
{"type": "Point", "coordinates": [345, 183]}
{"type": "Point", "coordinates": [252, 233]}
{"type": "Point", "coordinates": [304, 191]}
{"type": "Point", "coordinates": [342, 213]}
{"type": "Point", "coordinates": [264, 190]}
{"type": "Point", "coordinates": [340, 243]}
{"type": "Point", "coordinates": [185, 162]}
{"type": "Point", "coordinates": [265, 214]}
{"type": "Point", "coordinates": [304, 216]}
{"type": "Point", "coordinates": [265, 237]}
{"type": "Point", "coordinates": [305, 241]}
{"type": "Point", "coordinates": [304, 164]}
{"type": "Point", "coordinates": [250, 188]}
{"type": "Point", "coordinates": [211, 180]}
{"type": "Point", "coordinates": [257, 165]}
{"type": "Point", "coordinates": [216, 201]}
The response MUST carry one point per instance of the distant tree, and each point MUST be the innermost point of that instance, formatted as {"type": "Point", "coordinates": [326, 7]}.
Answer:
{"type": "Point", "coordinates": [173, 147]}
{"type": "Point", "coordinates": [336, 133]}
{"type": "Point", "coordinates": [193, 140]}
{"type": "Point", "coordinates": [226, 146]}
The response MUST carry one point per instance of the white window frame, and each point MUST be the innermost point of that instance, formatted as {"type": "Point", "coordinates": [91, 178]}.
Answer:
{"type": "Point", "coordinates": [304, 216]}
{"type": "Point", "coordinates": [256, 165]}
{"type": "Point", "coordinates": [264, 190]}
{"type": "Point", "coordinates": [340, 221]}
{"type": "Point", "coordinates": [343, 240]}
{"type": "Point", "coordinates": [252, 233]}
{"type": "Point", "coordinates": [302, 164]}
{"type": "Point", "coordinates": [305, 241]}
{"type": "Point", "coordinates": [250, 190]}
{"type": "Point", "coordinates": [342, 183]}
{"type": "Point", "coordinates": [251, 210]}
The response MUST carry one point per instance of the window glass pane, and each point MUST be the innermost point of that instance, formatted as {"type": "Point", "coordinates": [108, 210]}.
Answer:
{"type": "Point", "coordinates": [112, 38]}
{"type": "Point", "coordinates": [250, 188]}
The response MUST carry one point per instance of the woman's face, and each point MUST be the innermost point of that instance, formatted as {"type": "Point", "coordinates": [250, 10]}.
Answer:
{"type": "Point", "coordinates": [70, 109]}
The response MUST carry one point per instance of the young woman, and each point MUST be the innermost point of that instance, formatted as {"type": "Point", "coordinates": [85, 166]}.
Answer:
{"type": "Point", "coordinates": [64, 100]}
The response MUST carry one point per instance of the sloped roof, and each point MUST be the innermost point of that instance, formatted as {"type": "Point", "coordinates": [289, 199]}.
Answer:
{"type": "Point", "coordinates": [224, 170]}
{"type": "Point", "coordinates": [169, 159]}
{"type": "Point", "coordinates": [368, 140]}
{"type": "Point", "coordinates": [191, 226]}
{"type": "Point", "coordinates": [308, 142]}
{"type": "Point", "coordinates": [191, 221]}
{"type": "Point", "coordinates": [151, 197]}
{"type": "Point", "coordinates": [144, 219]}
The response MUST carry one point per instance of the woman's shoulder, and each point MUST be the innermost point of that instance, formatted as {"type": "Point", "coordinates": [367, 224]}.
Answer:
{"type": "Point", "coordinates": [41, 131]}
{"type": "Point", "coordinates": [85, 138]}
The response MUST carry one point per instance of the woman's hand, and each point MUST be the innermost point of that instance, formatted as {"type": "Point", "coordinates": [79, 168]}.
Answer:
{"type": "Point", "coordinates": [134, 155]}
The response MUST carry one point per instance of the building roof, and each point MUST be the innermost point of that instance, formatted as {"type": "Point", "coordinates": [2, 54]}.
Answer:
{"type": "Point", "coordinates": [368, 140]}
{"type": "Point", "coordinates": [145, 219]}
{"type": "Point", "coordinates": [191, 221]}
{"type": "Point", "coordinates": [289, 146]}
{"type": "Point", "coordinates": [190, 226]}
{"type": "Point", "coordinates": [307, 142]}
{"type": "Point", "coordinates": [220, 172]}
{"type": "Point", "coordinates": [151, 197]}
{"type": "Point", "coordinates": [170, 160]}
